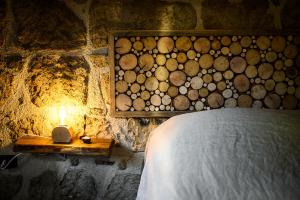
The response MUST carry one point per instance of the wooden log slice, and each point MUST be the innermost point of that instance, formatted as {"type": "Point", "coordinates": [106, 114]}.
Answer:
{"type": "Point", "coordinates": [290, 102]}
{"type": "Point", "coordinates": [288, 62]}
{"type": "Point", "coordinates": [297, 93]}
{"type": "Point", "coordinates": [151, 83]}
{"type": "Point", "coordinates": [227, 93]}
{"type": "Point", "coordinates": [171, 64]}
{"type": "Point", "coordinates": [216, 44]}
{"type": "Point", "coordinates": [206, 61]}
{"type": "Point", "coordinates": [181, 103]}
{"type": "Point", "coordinates": [135, 88]}
{"type": "Point", "coordinates": [263, 42]}
{"type": "Point", "coordinates": [123, 102]}
{"type": "Point", "coordinates": [211, 87]}
{"type": "Point", "coordinates": [235, 48]}
{"type": "Point", "coordinates": [278, 64]}
{"type": "Point", "coordinates": [152, 108]}
{"type": "Point", "coordinates": [165, 45]}
{"type": "Point", "coordinates": [161, 59]}
{"type": "Point", "coordinates": [146, 62]}
{"type": "Point", "coordinates": [193, 95]}
{"type": "Point", "coordinates": [141, 78]}
{"type": "Point", "coordinates": [207, 78]}
{"type": "Point", "coordinates": [174, 54]}
{"type": "Point", "coordinates": [221, 63]}
{"type": "Point", "coordinates": [230, 103]}
{"type": "Point", "coordinates": [217, 76]}
{"type": "Point", "coordinates": [130, 76]}
{"type": "Point", "coordinates": [191, 68]}
{"type": "Point", "coordinates": [145, 95]}
{"type": "Point", "coordinates": [251, 71]}
{"type": "Point", "coordinates": [149, 43]}
{"type": "Point", "coordinates": [270, 85]}
{"type": "Point", "coordinates": [215, 100]}
{"type": "Point", "coordinates": [228, 75]}
{"type": "Point", "coordinates": [252, 57]}
{"type": "Point", "coordinates": [245, 101]}
{"type": "Point", "coordinates": [258, 92]}
{"type": "Point", "coordinates": [291, 90]}
{"type": "Point", "coordinates": [203, 92]}
{"type": "Point", "coordinates": [128, 62]}
{"type": "Point", "coordinates": [155, 100]}
{"type": "Point", "coordinates": [238, 64]}
{"type": "Point", "coordinates": [241, 83]}
{"type": "Point", "coordinates": [278, 44]}
{"type": "Point", "coordinates": [196, 83]}
{"type": "Point", "coordinates": [226, 40]}
{"type": "Point", "coordinates": [221, 85]}
{"type": "Point", "coordinates": [225, 50]}
{"type": "Point", "coordinates": [202, 45]}
{"type": "Point", "coordinates": [177, 78]}
{"type": "Point", "coordinates": [257, 104]}
{"type": "Point", "coordinates": [173, 91]}
{"type": "Point", "coordinates": [183, 43]}
{"type": "Point", "coordinates": [271, 56]}
{"type": "Point", "coordinates": [191, 54]}
{"type": "Point", "coordinates": [138, 45]}
{"type": "Point", "coordinates": [121, 86]}
{"type": "Point", "coordinates": [278, 76]}
{"type": "Point", "coordinates": [166, 100]}
{"type": "Point", "coordinates": [265, 70]}
{"type": "Point", "coordinates": [272, 101]}
{"type": "Point", "coordinates": [281, 88]}
{"type": "Point", "coordinates": [199, 106]}
{"type": "Point", "coordinates": [291, 72]}
{"type": "Point", "coordinates": [183, 89]}
{"type": "Point", "coordinates": [181, 57]}
{"type": "Point", "coordinates": [163, 86]}
{"type": "Point", "coordinates": [246, 41]}
{"type": "Point", "coordinates": [161, 73]}
{"type": "Point", "coordinates": [139, 104]}
{"type": "Point", "coordinates": [123, 45]}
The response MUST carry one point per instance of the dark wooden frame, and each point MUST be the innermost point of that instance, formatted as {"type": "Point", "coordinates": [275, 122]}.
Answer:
{"type": "Point", "coordinates": [142, 33]}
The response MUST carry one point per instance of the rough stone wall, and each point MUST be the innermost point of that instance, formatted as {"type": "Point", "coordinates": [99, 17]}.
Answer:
{"type": "Point", "coordinates": [54, 52]}
{"type": "Point", "coordinates": [78, 178]}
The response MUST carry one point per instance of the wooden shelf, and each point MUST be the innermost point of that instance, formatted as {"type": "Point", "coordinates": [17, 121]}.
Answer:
{"type": "Point", "coordinates": [36, 144]}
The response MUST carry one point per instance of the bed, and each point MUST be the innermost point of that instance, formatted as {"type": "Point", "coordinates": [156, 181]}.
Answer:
{"type": "Point", "coordinates": [225, 154]}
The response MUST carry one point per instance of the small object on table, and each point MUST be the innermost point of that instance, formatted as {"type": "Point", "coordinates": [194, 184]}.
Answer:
{"type": "Point", "coordinates": [62, 134]}
{"type": "Point", "coordinates": [86, 139]}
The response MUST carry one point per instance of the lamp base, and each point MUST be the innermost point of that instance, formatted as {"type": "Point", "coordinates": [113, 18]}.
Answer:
{"type": "Point", "coordinates": [62, 134]}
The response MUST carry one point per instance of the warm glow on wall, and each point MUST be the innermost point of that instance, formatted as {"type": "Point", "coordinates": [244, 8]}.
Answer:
{"type": "Point", "coordinates": [62, 115]}
{"type": "Point", "coordinates": [65, 112]}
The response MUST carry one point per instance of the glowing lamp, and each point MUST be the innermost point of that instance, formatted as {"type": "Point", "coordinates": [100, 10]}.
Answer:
{"type": "Point", "coordinates": [62, 133]}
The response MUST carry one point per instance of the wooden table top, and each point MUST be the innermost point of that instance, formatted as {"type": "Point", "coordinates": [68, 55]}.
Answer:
{"type": "Point", "coordinates": [36, 144]}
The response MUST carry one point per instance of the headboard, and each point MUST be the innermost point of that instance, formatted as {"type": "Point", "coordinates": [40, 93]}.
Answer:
{"type": "Point", "coordinates": [164, 73]}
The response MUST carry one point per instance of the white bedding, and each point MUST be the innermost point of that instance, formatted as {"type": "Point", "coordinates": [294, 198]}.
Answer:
{"type": "Point", "coordinates": [225, 154]}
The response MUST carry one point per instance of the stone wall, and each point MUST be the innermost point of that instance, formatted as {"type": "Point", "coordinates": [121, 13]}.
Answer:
{"type": "Point", "coordinates": [54, 52]}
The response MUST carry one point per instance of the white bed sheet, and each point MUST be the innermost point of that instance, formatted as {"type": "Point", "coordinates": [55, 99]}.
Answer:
{"type": "Point", "coordinates": [225, 154]}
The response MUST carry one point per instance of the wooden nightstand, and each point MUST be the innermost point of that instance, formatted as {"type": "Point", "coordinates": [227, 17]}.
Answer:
{"type": "Point", "coordinates": [36, 144]}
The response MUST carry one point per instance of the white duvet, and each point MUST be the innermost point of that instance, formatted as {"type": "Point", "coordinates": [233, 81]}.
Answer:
{"type": "Point", "coordinates": [226, 154]}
